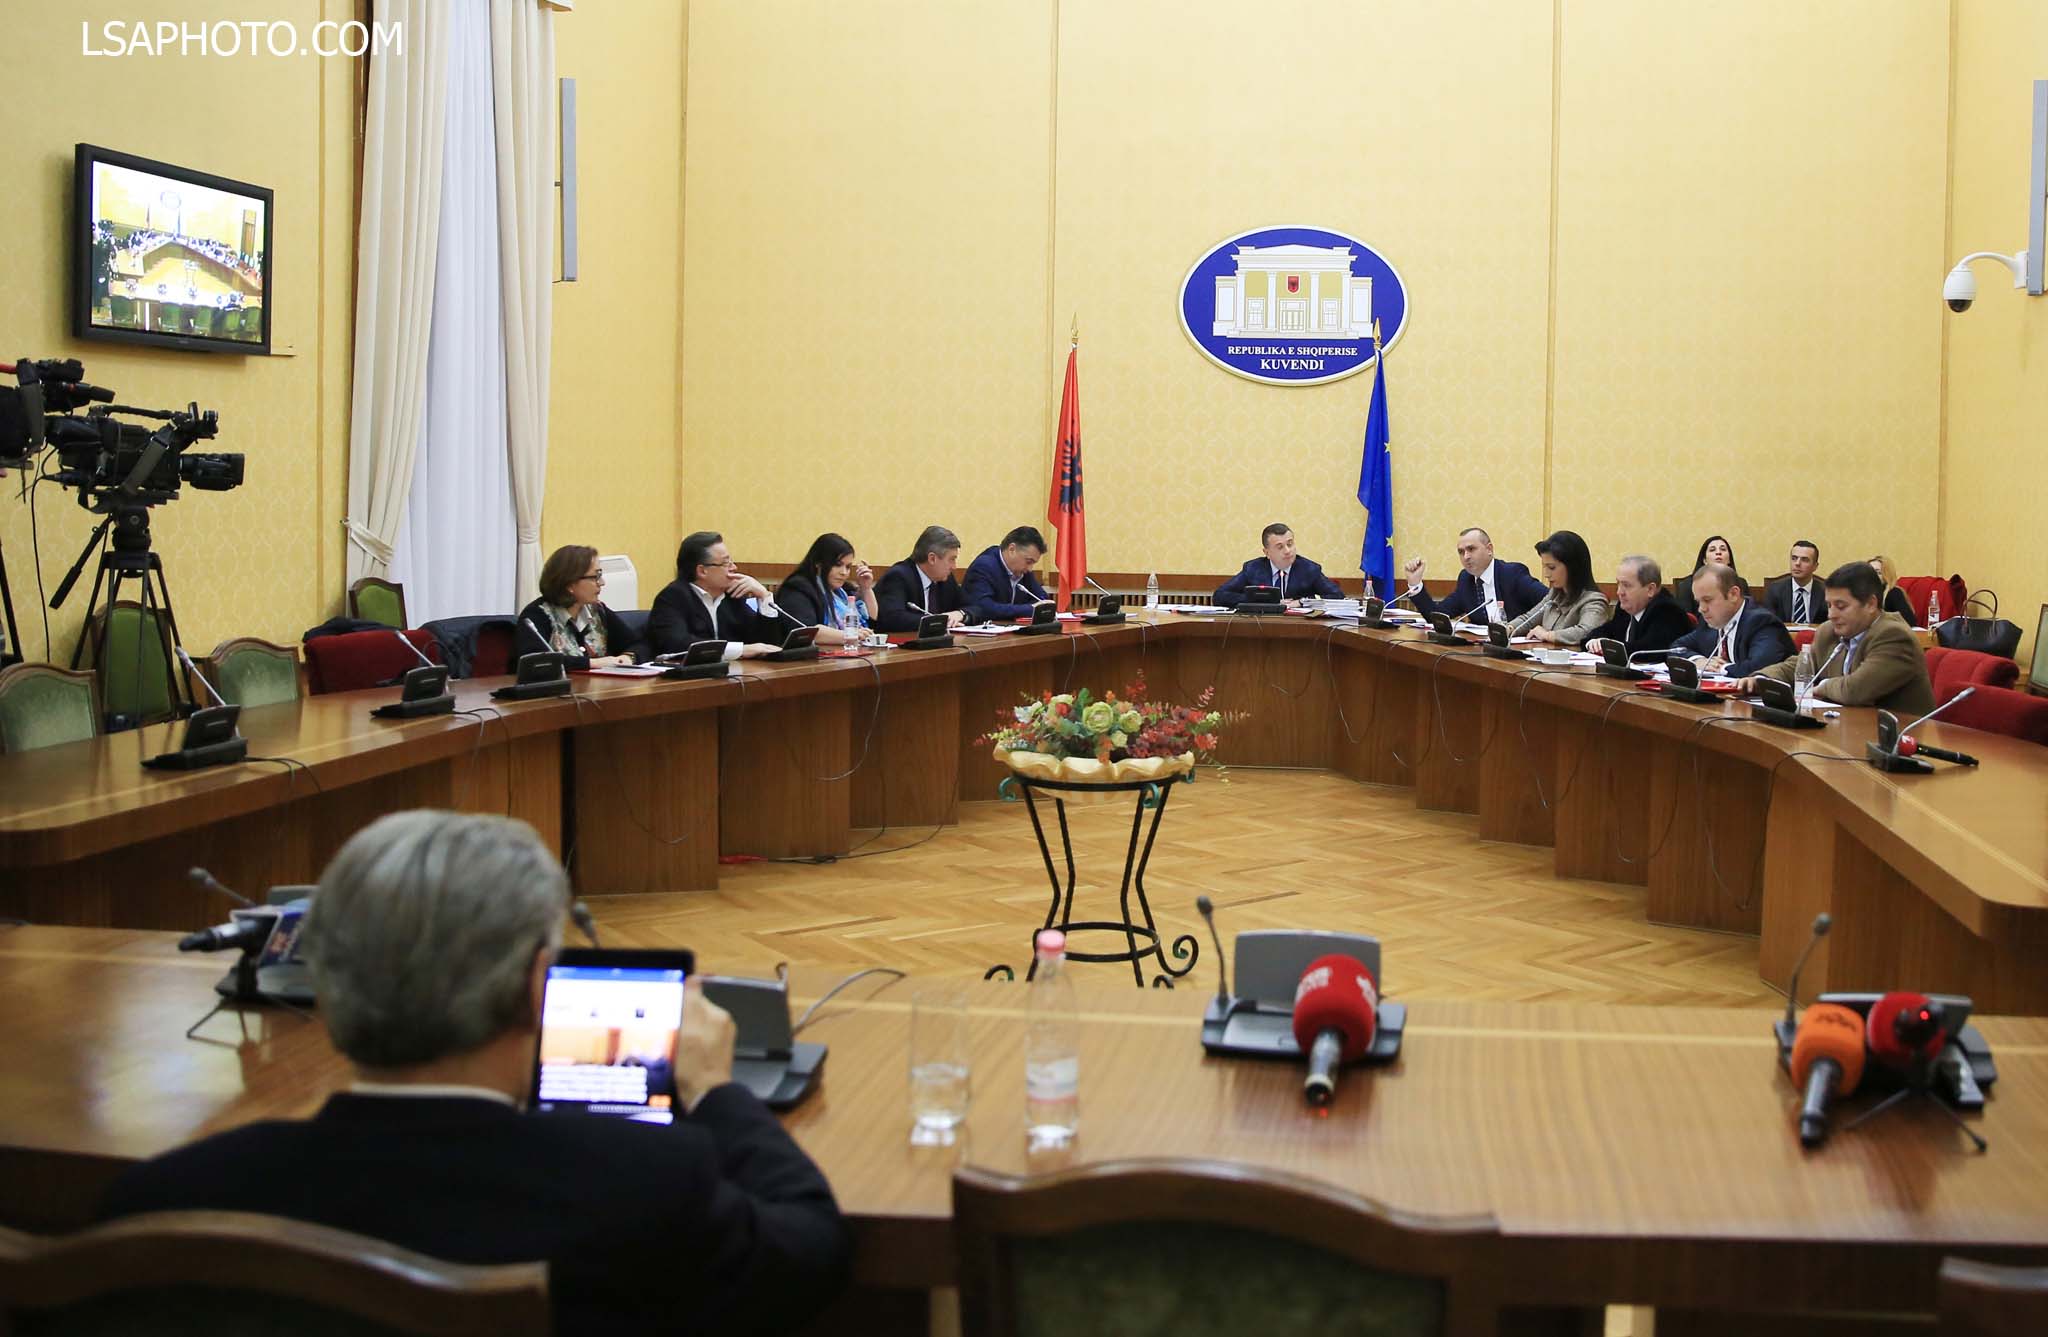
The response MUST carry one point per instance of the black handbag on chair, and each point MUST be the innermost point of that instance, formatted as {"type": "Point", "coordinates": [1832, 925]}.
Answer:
{"type": "Point", "coordinates": [1986, 635]}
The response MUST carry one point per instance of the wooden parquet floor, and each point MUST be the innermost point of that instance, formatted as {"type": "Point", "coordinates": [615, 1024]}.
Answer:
{"type": "Point", "coordinates": [1459, 917]}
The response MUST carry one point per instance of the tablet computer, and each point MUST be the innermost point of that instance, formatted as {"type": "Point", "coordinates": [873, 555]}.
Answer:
{"type": "Point", "coordinates": [608, 1026]}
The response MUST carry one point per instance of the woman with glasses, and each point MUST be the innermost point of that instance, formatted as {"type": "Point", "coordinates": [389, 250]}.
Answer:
{"type": "Point", "coordinates": [568, 619]}
{"type": "Point", "coordinates": [832, 590]}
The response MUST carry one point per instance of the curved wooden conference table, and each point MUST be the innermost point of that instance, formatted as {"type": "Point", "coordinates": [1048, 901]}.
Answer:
{"type": "Point", "coordinates": [1936, 882]}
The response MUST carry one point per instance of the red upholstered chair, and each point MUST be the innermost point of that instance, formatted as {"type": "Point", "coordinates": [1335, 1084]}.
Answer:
{"type": "Point", "coordinates": [1917, 588]}
{"type": "Point", "coordinates": [1802, 636]}
{"type": "Point", "coordinates": [2002, 710]}
{"type": "Point", "coordinates": [360, 659]}
{"type": "Point", "coordinates": [1953, 670]}
{"type": "Point", "coordinates": [494, 655]}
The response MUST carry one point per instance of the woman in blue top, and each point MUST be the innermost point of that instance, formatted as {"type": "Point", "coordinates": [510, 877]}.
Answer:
{"type": "Point", "coordinates": [832, 590]}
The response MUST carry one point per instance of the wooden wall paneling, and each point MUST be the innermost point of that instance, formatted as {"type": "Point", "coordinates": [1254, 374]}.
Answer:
{"type": "Point", "coordinates": [1370, 695]}
{"type": "Point", "coordinates": [1519, 774]}
{"type": "Point", "coordinates": [1450, 731]}
{"type": "Point", "coordinates": [519, 777]}
{"type": "Point", "coordinates": [1889, 935]}
{"type": "Point", "coordinates": [1707, 873]}
{"type": "Point", "coordinates": [911, 772]}
{"type": "Point", "coordinates": [645, 804]}
{"type": "Point", "coordinates": [1799, 879]}
{"type": "Point", "coordinates": [984, 693]}
{"type": "Point", "coordinates": [1283, 688]}
{"type": "Point", "coordinates": [1604, 824]}
{"type": "Point", "coordinates": [775, 799]}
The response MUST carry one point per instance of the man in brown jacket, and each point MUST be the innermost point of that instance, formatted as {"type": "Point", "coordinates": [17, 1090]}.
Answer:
{"type": "Point", "coordinates": [1865, 656]}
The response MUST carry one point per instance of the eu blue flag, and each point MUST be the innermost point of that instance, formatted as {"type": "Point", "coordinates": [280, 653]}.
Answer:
{"type": "Point", "coordinates": [1376, 489]}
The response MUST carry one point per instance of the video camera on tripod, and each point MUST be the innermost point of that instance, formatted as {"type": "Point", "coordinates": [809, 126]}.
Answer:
{"type": "Point", "coordinates": [119, 469]}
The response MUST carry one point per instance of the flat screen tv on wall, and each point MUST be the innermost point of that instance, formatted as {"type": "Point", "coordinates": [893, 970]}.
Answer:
{"type": "Point", "coordinates": [169, 255]}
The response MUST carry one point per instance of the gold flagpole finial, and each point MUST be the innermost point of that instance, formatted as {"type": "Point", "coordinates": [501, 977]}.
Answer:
{"type": "Point", "coordinates": [1076, 335]}
{"type": "Point", "coordinates": [1375, 332]}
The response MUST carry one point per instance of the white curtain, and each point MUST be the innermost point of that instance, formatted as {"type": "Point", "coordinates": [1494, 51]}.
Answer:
{"type": "Point", "coordinates": [456, 553]}
{"type": "Point", "coordinates": [404, 131]}
{"type": "Point", "coordinates": [523, 84]}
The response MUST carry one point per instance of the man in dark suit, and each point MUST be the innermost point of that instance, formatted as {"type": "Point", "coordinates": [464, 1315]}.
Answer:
{"type": "Point", "coordinates": [1295, 576]}
{"type": "Point", "coordinates": [1000, 586]}
{"type": "Point", "coordinates": [1647, 617]}
{"type": "Point", "coordinates": [1738, 635]}
{"type": "Point", "coordinates": [1864, 656]}
{"type": "Point", "coordinates": [707, 602]}
{"type": "Point", "coordinates": [429, 1148]}
{"type": "Point", "coordinates": [1488, 590]}
{"type": "Point", "coordinates": [1799, 598]}
{"type": "Point", "coordinates": [922, 584]}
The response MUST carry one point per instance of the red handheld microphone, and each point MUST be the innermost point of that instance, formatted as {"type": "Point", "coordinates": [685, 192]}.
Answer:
{"type": "Point", "coordinates": [1827, 1061]}
{"type": "Point", "coordinates": [1906, 1029]}
{"type": "Point", "coordinates": [1336, 1010]}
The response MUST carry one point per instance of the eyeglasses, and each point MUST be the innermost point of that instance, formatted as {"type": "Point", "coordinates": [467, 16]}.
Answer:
{"type": "Point", "coordinates": [597, 576]}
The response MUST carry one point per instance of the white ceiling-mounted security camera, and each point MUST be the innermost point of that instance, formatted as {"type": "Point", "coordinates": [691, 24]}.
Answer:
{"type": "Point", "coordinates": [1960, 289]}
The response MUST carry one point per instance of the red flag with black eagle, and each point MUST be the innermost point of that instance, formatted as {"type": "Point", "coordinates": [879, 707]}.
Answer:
{"type": "Point", "coordinates": [1063, 511]}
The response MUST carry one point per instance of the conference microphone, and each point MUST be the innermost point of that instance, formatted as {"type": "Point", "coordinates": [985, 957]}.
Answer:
{"type": "Point", "coordinates": [406, 641]}
{"type": "Point", "coordinates": [206, 881]}
{"type": "Point", "coordinates": [580, 913]}
{"type": "Point", "coordinates": [193, 669]}
{"type": "Point", "coordinates": [1906, 1030]}
{"type": "Point", "coordinates": [1207, 909]}
{"type": "Point", "coordinates": [1822, 922]}
{"type": "Point", "coordinates": [1827, 1063]}
{"type": "Point", "coordinates": [1336, 1009]}
{"type": "Point", "coordinates": [1908, 746]}
{"type": "Point", "coordinates": [545, 644]}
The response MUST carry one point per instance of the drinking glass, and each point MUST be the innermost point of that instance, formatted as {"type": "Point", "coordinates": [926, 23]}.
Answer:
{"type": "Point", "coordinates": [939, 1066]}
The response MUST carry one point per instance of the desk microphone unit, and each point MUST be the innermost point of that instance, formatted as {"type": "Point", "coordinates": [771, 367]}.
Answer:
{"type": "Point", "coordinates": [210, 736]}
{"type": "Point", "coordinates": [1614, 663]}
{"type": "Point", "coordinates": [933, 633]}
{"type": "Point", "coordinates": [1258, 1021]}
{"type": "Point", "coordinates": [1108, 611]}
{"type": "Point", "coordinates": [1373, 613]}
{"type": "Point", "coordinates": [704, 659]}
{"type": "Point", "coordinates": [1781, 706]}
{"type": "Point", "coordinates": [1440, 632]}
{"type": "Point", "coordinates": [1045, 620]}
{"type": "Point", "coordinates": [424, 691]}
{"type": "Point", "coordinates": [1685, 682]}
{"type": "Point", "coordinates": [767, 1058]}
{"type": "Point", "coordinates": [1497, 646]}
{"type": "Point", "coordinates": [540, 675]}
{"type": "Point", "coordinates": [801, 643]}
{"type": "Point", "coordinates": [1262, 601]}
{"type": "Point", "coordinates": [1898, 752]}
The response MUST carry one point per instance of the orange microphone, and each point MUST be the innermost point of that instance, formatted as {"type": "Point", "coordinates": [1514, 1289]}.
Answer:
{"type": "Point", "coordinates": [1827, 1061]}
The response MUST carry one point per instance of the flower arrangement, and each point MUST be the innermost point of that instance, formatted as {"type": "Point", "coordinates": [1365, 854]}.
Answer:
{"type": "Point", "coordinates": [1118, 726]}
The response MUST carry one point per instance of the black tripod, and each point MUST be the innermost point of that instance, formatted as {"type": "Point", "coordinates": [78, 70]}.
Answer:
{"type": "Point", "coordinates": [129, 559]}
{"type": "Point", "coordinates": [10, 653]}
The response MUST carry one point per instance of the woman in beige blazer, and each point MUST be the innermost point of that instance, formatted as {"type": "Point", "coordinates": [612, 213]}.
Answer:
{"type": "Point", "coordinates": [1576, 608]}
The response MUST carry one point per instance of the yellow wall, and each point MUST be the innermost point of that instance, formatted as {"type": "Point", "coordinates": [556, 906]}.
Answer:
{"type": "Point", "coordinates": [612, 397]}
{"type": "Point", "coordinates": [264, 559]}
{"type": "Point", "coordinates": [1996, 502]}
{"type": "Point", "coordinates": [1739, 188]}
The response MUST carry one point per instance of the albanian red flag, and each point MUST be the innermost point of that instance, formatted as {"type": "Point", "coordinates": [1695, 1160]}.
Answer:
{"type": "Point", "coordinates": [1063, 512]}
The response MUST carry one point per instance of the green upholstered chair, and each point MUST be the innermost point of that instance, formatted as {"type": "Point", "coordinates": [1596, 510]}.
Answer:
{"type": "Point", "coordinates": [169, 316]}
{"type": "Point", "coordinates": [223, 1274]}
{"type": "Point", "coordinates": [134, 671]}
{"type": "Point", "coordinates": [249, 672]}
{"type": "Point", "coordinates": [42, 705]}
{"type": "Point", "coordinates": [377, 600]}
{"type": "Point", "coordinates": [1192, 1248]}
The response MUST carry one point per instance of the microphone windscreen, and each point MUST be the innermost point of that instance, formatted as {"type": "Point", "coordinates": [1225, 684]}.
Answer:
{"type": "Point", "coordinates": [1338, 993]}
{"type": "Point", "coordinates": [1829, 1030]}
{"type": "Point", "coordinates": [1912, 1011]}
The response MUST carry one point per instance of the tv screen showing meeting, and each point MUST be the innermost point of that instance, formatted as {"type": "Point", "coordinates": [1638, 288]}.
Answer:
{"type": "Point", "coordinates": [169, 255]}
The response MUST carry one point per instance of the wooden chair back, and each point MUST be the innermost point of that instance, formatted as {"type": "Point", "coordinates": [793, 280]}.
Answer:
{"type": "Point", "coordinates": [1985, 1300]}
{"type": "Point", "coordinates": [252, 672]}
{"type": "Point", "coordinates": [1197, 1247]}
{"type": "Point", "coordinates": [229, 1273]}
{"type": "Point", "coordinates": [376, 600]}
